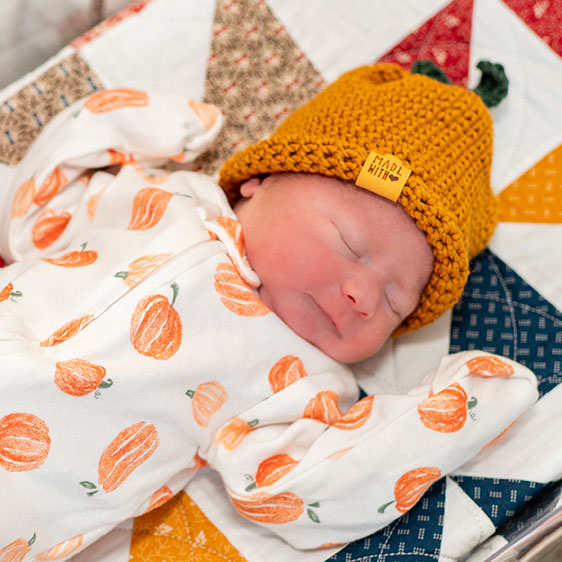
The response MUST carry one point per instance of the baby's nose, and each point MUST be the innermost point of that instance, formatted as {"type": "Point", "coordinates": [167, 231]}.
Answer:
{"type": "Point", "coordinates": [360, 298]}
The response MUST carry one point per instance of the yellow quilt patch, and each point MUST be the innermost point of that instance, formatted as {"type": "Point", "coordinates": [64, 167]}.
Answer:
{"type": "Point", "coordinates": [178, 531]}
{"type": "Point", "coordinates": [536, 196]}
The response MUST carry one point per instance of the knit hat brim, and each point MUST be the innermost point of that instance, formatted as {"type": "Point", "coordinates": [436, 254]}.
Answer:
{"type": "Point", "coordinates": [336, 160]}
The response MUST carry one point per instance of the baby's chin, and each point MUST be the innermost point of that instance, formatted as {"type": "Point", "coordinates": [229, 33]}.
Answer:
{"type": "Point", "coordinates": [346, 354]}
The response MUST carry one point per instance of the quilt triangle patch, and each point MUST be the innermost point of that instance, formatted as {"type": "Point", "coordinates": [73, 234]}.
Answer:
{"type": "Point", "coordinates": [543, 17]}
{"type": "Point", "coordinates": [536, 196]}
{"type": "Point", "coordinates": [256, 74]}
{"type": "Point", "coordinates": [25, 113]}
{"type": "Point", "coordinates": [500, 499]}
{"type": "Point", "coordinates": [415, 536]}
{"type": "Point", "coordinates": [178, 531]}
{"type": "Point", "coordinates": [499, 312]}
{"type": "Point", "coordinates": [444, 39]}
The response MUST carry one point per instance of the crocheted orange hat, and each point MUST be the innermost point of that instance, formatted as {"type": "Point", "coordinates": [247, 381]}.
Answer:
{"type": "Point", "coordinates": [442, 133]}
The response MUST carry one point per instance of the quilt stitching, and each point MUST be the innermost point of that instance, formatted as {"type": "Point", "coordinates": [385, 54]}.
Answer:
{"type": "Point", "coordinates": [527, 328]}
{"type": "Point", "coordinates": [557, 321]}
{"type": "Point", "coordinates": [509, 302]}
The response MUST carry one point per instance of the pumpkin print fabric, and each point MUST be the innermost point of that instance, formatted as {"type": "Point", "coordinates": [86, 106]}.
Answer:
{"type": "Point", "coordinates": [135, 352]}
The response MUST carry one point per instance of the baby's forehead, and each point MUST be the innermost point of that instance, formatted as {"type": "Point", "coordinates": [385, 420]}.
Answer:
{"type": "Point", "coordinates": [304, 180]}
{"type": "Point", "coordinates": [339, 197]}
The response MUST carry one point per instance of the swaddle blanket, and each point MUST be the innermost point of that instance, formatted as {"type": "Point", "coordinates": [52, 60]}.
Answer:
{"type": "Point", "coordinates": [135, 350]}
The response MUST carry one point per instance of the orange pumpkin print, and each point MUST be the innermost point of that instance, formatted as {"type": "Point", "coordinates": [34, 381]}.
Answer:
{"type": "Point", "coordinates": [412, 485]}
{"type": "Point", "coordinates": [286, 371]}
{"type": "Point", "coordinates": [206, 400]}
{"type": "Point", "coordinates": [61, 550]}
{"type": "Point", "coordinates": [160, 497]}
{"type": "Point", "coordinates": [78, 377]}
{"type": "Point", "coordinates": [207, 112]}
{"type": "Point", "coordinates": [110, 100]}
{"type": "Point", "coordinates": [116, 157]}
{"type": "Point", "coordinates": [48, 227]}
{"type": "Point", "coordinates": [157, 179]}
{"type": "Point", "coordinates": [138, 269]}
{"type": "Point", "coordinates": [24, 442]}
{"type": "Point", "coordinates": [132, 446]}
{"type": "Point", "coordinates": [77, 258]}
{"type": "Point", "coordinates": [17, 550]}
{"type": "Point", "coordinates": [234, 230]}
{"type": "Point", "coordinates": [156, 328]}
{"type": "Point", "coordinates": [357, 415]}
{"type": "Point", "coordinates": [323, 407]}
{"type": "Point", "coordinates": [232, 434]}
{"type": "Point", "coordinates": [339, 454]}
{"type": "Point", "coordinates": [5, 292]}
{"type": "Point", "coordinates": [273, 468]}
{"type": "Point", "coordinates": [487, 366]}
{"type": "Point", "coordinates": [92, 205]}
{"type": "Point", "coordinates": [235, 294]}
{"type": "Point", "coordinates": [499, 435]}
{"type": "Point", "coordinates": [199, 462]}
{"type": "Point", "coordinates": [55, 181]}
{"type": "Point", "coordinates": [67, 330]}
{"type": "Point", "coordinates": [23, 199]}
{"type": "Point", "coordinates": [179, 157]}
{"type": "Point", "coordinates": [445, 411]}
{"type": "Point", "coordinates": [266, 508]}
{"type": "Point", "coordinates": [149, 206]}
{"type": "Point", "coordinates": [8, 291]}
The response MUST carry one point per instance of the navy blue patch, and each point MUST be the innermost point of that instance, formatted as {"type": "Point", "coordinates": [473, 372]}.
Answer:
{"type": "Point", "coordinates": [499, 312]}
{"type": "Point", "coordinates": [499, 498]}
{"type": "Point", "coordinates": [542, 504]}
{"type": "Point", "coordinates": [416, 535]}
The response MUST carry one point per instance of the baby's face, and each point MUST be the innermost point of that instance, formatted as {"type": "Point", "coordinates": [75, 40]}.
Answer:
{"type": "Point", "coordinates": [341, 266]}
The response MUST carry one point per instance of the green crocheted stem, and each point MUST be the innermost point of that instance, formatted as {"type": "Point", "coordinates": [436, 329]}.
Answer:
{"type": "Point", "coordinates": [494, 83]}
{"type": "Point", "coordinates": [429, 68]}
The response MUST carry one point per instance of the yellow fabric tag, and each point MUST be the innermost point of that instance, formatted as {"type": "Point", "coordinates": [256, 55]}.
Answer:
{"type": "Point", "coordinates": [385, 175]}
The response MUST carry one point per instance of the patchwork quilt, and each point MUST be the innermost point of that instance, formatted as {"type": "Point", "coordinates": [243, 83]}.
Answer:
{"type": "Point", "coordinates": [259, 59]}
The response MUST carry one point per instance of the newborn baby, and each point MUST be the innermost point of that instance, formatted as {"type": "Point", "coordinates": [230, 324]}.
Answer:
{"type": "Point", "coordinates": [147, 330]}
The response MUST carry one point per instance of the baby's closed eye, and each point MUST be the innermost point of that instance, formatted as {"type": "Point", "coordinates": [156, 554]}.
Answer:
{"type": "Point", "coordinates": [346, 242]}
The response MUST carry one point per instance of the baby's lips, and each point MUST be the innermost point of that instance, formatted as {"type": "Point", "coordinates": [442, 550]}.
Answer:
{"type": "Point", "coordinates": [329, 317]}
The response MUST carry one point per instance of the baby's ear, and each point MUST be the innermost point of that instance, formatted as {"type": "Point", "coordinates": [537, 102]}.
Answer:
{"type": "Point", "coordinates": [249, 187]}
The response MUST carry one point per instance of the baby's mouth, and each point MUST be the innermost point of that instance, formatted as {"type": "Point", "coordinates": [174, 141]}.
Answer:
{"type": "Point", "coordinates": [326, 318]}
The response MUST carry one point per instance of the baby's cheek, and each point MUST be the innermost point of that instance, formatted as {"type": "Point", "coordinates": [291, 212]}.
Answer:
{"type": "Point", "coordinates": [320, 265]}
{"type": "Point", "coordinates": [299, 262]}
